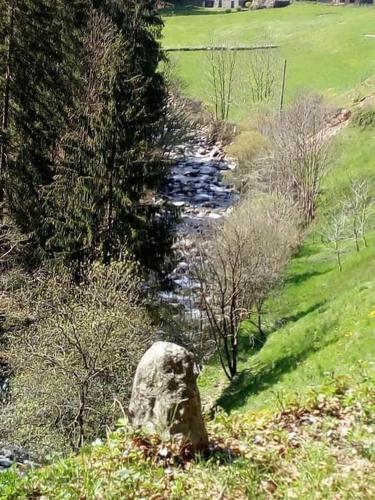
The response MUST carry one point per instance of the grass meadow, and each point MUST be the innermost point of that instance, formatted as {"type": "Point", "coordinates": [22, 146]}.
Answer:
{"type": "Point", "coordinates": [325, 46]}
{"type": "Point", "coordinates": [321, 322]}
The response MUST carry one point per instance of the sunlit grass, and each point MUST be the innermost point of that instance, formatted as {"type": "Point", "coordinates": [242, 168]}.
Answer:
{"type": "Point", "coordinates": [321, 320]}
{"type": "Point", "coordinates": [293, 453]}
{"type": "Point", "coordinates": [324, 45]}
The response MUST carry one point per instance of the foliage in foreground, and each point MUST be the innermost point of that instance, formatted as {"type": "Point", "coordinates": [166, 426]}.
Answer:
{"type": "Point", "coordinates": [73, 350]}
{"type": "Point", "coordinates": [323, 448]}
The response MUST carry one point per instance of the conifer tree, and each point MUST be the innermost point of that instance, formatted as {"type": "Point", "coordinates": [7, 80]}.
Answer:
{"type": "Point", "coordinates": [40, 44]}
{"type": "Point", "coordinates": [82, 109]}
{"type": "Point", "coordinates": [110, 167]}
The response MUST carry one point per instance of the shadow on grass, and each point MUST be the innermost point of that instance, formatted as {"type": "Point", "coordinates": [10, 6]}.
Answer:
{"type": "Point", "coordinates": [307, 251]}
{"type": "Point", "coordinates": [293, 318]}
{"type": "Point", "coordinates": [248, 383]}
{"type": "Point", "coordinates": [296, 279]}
{"type": "Point", "coordinates": [251, 341]}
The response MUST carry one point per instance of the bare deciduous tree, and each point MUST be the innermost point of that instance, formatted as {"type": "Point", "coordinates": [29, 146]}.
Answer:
{"type": "Point", "coordinates": [297, 156]}
{"type": "Point", "coordinates": [336, 232]}
{"type": "Point", "coordinates": [262, 75]}
{"type": "Point", "coordinates": [360, 207]}
{"type": "Point", "coordinates": [222, 66]}
{"type": "Point", "coordinates": [238, 267]}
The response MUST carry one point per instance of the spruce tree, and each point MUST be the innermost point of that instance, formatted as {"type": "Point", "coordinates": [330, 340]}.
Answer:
{"type": "Point", "coordinates": [39, 81]}
{"type": "Point", "coordinates": [101, 200]}
{"type": "Point", "coordinates": [82, 108]}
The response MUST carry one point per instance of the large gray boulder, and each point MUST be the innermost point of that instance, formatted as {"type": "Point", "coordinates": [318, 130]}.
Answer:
{"type": "Point", "coordinates": [165, 398]}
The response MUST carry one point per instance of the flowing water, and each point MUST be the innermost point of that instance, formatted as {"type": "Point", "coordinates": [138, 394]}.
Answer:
{"type": "Point", "coordinates": [196, 186]}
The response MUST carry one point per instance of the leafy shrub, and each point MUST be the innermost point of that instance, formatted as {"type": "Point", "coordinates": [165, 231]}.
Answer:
{"type": "Point", "coordinates": [364, 118]}
{"type": "Point", "coordinates": [297, 157]}
{"type": "Point", "coordinates": [238, 268]}
{"type": "Point", "coordinates": [245, 148]}
{"type": "Point", "coordinates": [78, 356]}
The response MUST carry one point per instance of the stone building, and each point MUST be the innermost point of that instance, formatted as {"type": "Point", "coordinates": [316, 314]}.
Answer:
{"type": "Point", "coordinates": [269, 4]}
{"type": "Point", "coordinates": [349, 2]}
{"type": "Point", "coordinates": [360, 2]}
{"type": "Point", "coordinates": [222, 4]}
{"type": "Point", "coordinates": [256, 4]}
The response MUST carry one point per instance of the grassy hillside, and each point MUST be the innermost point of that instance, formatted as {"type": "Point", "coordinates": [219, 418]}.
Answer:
{"type": "Point", "coordinates": [322, 450]}
{"type": "Point", "coordinates": [301, 422]}
{"type": "Point", "coordinates": [322, 321]}
{"type": "Point", "coordinates": [326, 315]}
{"type": "Point", "coordinates": [324, 45]}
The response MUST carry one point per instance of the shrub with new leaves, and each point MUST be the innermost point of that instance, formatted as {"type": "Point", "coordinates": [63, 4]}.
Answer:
{"type": "Point", "coordinates": [76, 358]}
{"type": "Point", "coordinates": [247, 146]}
{"type": "Point", "coordinates": [240, 265]}
{"type": "Point", "coordinates": [296, 159]}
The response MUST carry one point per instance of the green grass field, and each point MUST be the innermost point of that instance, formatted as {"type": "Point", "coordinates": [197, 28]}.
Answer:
{"type": "Point", "coordinates": [324, 450]}
{"type": "Point", "coordinates": [325, 46]}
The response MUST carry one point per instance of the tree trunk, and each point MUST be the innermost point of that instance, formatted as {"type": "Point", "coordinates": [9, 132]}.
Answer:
{"type": "Point", "coordinates": [233, 370]}
{"type": "Point", "coordinates": [338, 253]}
{"type": "Point", "coordinates": [6, 105]}
{"type": "Point", "coordinates": [107, 250]}
{"type": "Point", "coordinates": [365, 241]}
{"type": "Point", "coordinates": [81, 416]}
{"type": "Point", "coordinates": [356, 235]}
